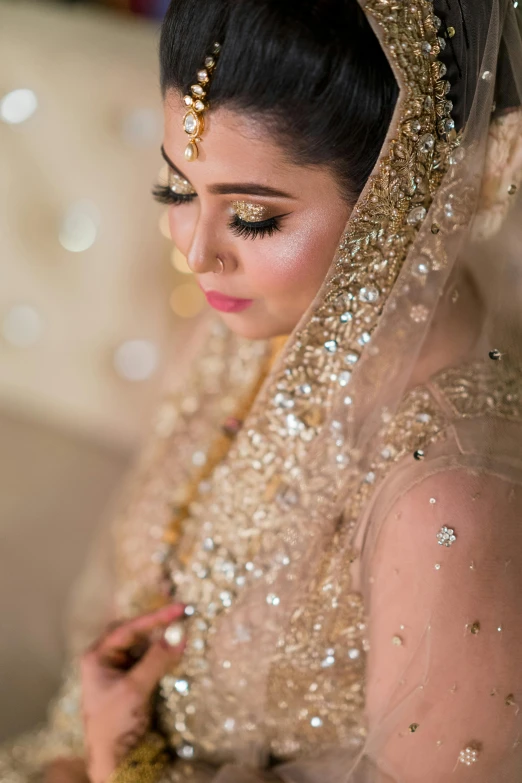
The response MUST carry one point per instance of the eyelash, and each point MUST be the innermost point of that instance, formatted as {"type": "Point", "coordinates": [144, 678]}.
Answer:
{"type": "Point", "coordinates": [266, 228]}
{"type": "Point", "coordinates": [166, 195]}
{"type": "Point", "coordinates": [240, 228]}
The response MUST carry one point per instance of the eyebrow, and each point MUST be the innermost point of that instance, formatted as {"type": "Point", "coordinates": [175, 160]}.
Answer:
{"type": "Point", "coordinates": [232, 188]}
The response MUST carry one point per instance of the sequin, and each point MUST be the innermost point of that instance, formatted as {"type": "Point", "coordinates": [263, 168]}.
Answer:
{"type": "Point", "coordinates": [412, 728]}
{"type": "Point", "coordinates": [446, 536]}
{"type": "Point", "coordinates": [185, 751]}
{"type": "Point", "coordinates": [419, 313]}
{"type": "Point", "coordinates": [331, 346]}
{"type": "Point", "coordinates": [352, 357]}
{"type": "Point", "coordinates": [369, 294]}
{"type": "Point", "coordinates": [328, 661]}
{"type": "Point", "coordinates": [182, 686]}
{"type": "Point", "coordinates": [469, 755]}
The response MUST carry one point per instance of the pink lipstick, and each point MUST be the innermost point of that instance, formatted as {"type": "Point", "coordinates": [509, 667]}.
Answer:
{"type": "Point", "coordinates": [227, 304]}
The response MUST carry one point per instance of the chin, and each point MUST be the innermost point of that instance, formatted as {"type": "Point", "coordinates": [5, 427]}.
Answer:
{"type": "Point", "coordinates": [254, 329]}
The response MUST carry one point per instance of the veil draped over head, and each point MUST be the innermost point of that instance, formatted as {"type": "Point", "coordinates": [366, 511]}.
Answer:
{"type": "Point", "coordinates": [354, 559]}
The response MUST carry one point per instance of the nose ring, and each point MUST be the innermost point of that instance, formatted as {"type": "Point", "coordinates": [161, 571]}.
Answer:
{"type": "Point", "coordinates": [221, 267]}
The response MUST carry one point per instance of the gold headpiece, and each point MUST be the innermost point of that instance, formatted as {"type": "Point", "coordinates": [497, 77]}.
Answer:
{"type": "Point", "coordinates": [194, 120]}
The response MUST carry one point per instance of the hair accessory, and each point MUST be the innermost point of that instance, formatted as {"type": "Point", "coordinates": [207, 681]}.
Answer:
{"type": "Point", "coordinates": [194, 120]}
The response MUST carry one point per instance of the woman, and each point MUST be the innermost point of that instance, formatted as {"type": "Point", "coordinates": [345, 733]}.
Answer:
{"type": "Point", "coordinates": [336, 514]}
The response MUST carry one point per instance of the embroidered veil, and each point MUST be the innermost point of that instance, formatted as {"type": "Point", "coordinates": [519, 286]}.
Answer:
{"type": "Point", "coordinates": [354, 558]}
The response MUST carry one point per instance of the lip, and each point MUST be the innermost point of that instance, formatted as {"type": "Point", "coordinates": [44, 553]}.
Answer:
{"type": "Point", "coordinates": [227, 304]}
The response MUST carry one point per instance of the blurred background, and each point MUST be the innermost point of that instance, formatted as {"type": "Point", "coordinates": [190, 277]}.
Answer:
{"type": "Point", "coordinates": [94, 302]}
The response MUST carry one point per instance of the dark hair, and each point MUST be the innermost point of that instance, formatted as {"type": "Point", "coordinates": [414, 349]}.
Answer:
{"type": "Point", "coordinates": [312, 69]}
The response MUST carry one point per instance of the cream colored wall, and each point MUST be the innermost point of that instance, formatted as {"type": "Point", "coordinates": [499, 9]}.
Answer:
{"type": "Point", "coordinates": [95, 76]}
{"type": "Point", "coordinates": [68, 422]}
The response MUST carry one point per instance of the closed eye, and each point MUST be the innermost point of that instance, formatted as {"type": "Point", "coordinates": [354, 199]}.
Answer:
{"type": "Point", "coordinates": [166, 195]}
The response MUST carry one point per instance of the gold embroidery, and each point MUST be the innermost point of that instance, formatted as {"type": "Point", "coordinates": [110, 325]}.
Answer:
{"type": "Point", "coordinates": [482, 389]}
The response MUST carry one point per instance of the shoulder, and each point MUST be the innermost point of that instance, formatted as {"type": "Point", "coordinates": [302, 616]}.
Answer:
{"type": "Point", "coordinates": [450, 519]}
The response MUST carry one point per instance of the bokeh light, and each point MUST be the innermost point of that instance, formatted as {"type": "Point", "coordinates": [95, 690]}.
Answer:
{"type": "Point", "coordinates": [22, 326]}
{"type": "Point", "coordinates": [187, 300]}
{"type": "Point", "coordinates": [17, 106]}
{"type": "Point", "coordinates": [136, 360]}
{"type": "Point", "coordinates": [179, 262]}
{"type": "Point", "coordinates": [79, 227]}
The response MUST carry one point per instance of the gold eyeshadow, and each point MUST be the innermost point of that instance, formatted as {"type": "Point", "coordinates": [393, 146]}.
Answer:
{"type": "Point", "coordinates": [179, 185]}
{"type": "Point", "coordinates": [250, 213]}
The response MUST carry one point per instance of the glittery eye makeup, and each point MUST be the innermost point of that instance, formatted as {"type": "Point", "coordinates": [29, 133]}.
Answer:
{"type": "Point", "coordinates": [178, 190]}
{"type": "Point", "coordinates": [250, 220]}
{"type": "Point", "coordinates": [179, 185]}
{"type": "Point", "coordinates": [249, 212]}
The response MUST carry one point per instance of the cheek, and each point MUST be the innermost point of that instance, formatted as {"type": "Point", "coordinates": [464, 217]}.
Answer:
{"type": "Point", "coordinates": [295, 261]}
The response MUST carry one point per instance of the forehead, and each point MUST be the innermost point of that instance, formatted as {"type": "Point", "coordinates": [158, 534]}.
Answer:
{"type": "Point", "coordinates": [233, 145]}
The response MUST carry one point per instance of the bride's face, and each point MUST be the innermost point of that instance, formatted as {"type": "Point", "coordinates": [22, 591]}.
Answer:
{"type": "Point", "coordinates": [258, 231]}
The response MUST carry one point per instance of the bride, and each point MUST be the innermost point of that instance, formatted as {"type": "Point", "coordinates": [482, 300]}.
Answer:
{"type": "Point", "coordinates": [318, 570]}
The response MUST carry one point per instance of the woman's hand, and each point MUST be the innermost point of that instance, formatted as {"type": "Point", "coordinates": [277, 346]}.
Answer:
{"type": "Point", "coordinates": [119, 675]}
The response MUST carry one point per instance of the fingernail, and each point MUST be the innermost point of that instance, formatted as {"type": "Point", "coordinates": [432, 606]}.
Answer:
{"type": "Point", "coordinates": [174, 635]}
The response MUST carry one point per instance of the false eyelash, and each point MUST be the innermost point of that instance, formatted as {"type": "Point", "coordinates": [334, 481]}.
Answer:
{"type": "Point", "coordinates": [253, 230]}
{"type": "Point", "coordinates": [166, 195]}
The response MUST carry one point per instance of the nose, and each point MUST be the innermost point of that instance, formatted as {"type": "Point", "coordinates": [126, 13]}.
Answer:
{"type": "Point", "coordinates": [202, 256]}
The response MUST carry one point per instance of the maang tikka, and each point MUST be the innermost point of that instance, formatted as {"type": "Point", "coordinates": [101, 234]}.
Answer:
{"type": "Point", "coordinates": [194, 119]}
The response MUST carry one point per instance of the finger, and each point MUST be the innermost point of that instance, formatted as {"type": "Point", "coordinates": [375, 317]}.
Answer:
{"type": "Point", "coordinates": [108, 630]}
{"type": "Point", "coordinates": [131, 632]}
{"type": "Point", "coordinates": [156, 663]}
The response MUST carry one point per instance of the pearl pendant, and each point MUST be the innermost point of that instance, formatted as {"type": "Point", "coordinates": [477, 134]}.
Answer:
{"type": "Point", "coordinates": [191, 152]}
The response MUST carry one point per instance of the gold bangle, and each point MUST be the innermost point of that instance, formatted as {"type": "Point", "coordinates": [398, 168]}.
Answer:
{"type": "Point", "coordinates": [145, 764]}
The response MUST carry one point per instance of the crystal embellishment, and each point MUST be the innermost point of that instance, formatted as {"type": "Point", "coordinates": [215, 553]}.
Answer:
{"type": "Point", "coordinates": [469, 755]}
{"type": "Point", "coordinates": [191, 123]}
{"type": "Point", "coordinates": [446, 536]}
{"type": "Point", "coordinates": [427, 143]}
{"type": "Point", "coordinates": [416, 216]}
{"type": "Point", "coordinates": [369, 294]}
{"type": "Point", "coordinates": [331, 346]}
